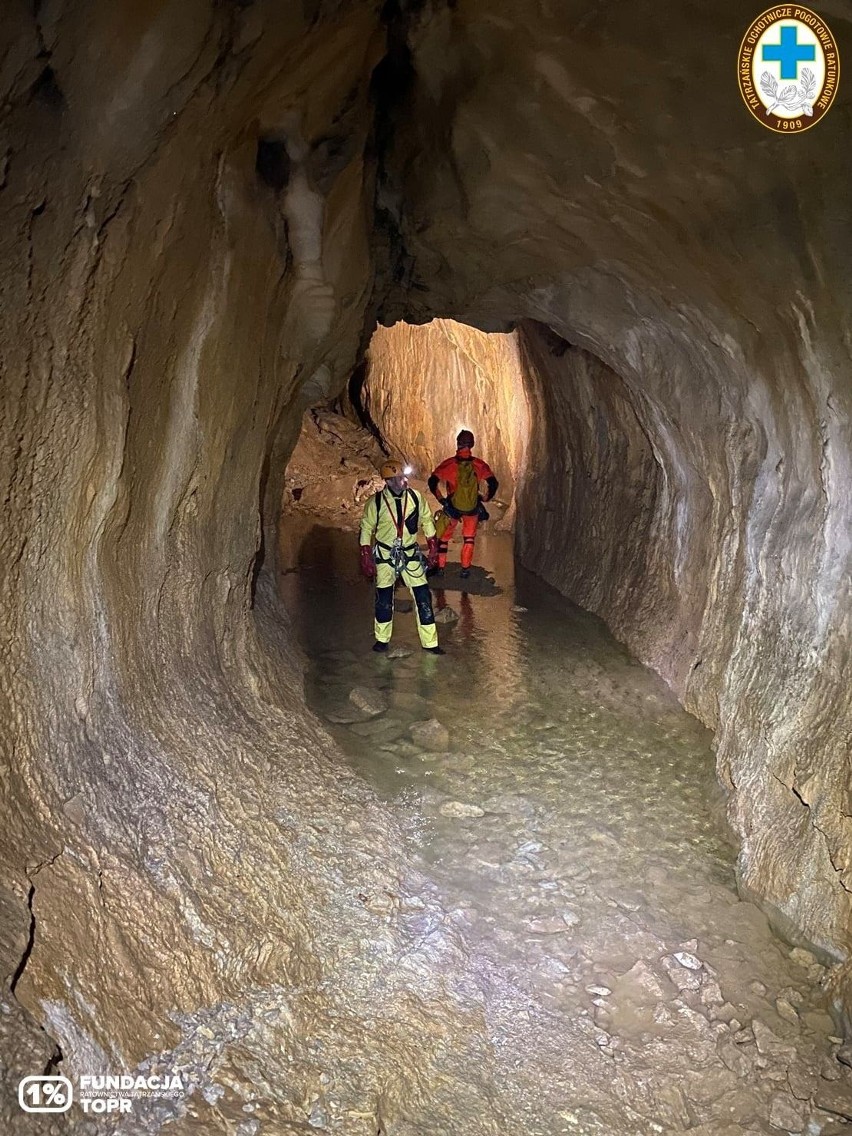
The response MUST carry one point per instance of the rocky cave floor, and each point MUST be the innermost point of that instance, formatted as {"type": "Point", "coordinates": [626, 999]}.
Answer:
{"type": "Point", "coordinates": [567, 811]}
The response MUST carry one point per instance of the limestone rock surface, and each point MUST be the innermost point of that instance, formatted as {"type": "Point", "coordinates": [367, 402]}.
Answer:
{"type": "Point", "coordinates": [683, 291]}
{"type": "Point", "coordinates": [425, 383]}
{"type": "Point", "coordinates": [202, 210]}
{"type": "Point", "coordinates": [185, 213]}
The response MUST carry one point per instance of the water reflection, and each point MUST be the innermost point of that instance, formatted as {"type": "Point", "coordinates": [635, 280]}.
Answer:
{"type": "Point", "coordinates": [570, 816]}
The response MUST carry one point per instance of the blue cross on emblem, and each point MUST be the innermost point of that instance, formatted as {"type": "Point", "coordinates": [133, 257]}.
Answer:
{"type": "Point", "coordinates": [789, 53]}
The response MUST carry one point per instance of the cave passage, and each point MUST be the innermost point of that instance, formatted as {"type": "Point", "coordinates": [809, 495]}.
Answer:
{"type": "Point", "coordinates": [542, 925]}
{"type": "Point", "coordinates": [569, 825]}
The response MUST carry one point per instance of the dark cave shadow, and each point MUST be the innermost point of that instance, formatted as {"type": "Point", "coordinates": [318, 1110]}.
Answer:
{"type": "Point", "coordinates": [478, 583]}
{"type": "Point", "coordinates": [321, 558]}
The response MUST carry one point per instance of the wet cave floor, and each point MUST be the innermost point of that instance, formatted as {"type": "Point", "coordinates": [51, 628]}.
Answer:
{"type": "Point", "coordinates": [567, 810]}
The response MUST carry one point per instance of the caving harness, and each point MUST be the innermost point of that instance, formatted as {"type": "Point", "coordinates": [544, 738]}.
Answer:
{"type": "Point", "coordinates": [398, 555]}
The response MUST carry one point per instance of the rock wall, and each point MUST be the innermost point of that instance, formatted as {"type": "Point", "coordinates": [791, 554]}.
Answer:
{"type": "Point", "coordinates": [425, 383]}
{"type": "Point", "coordinates": [185, 208]}
{"type": "Point", "coordinates": [593, 171]}
{"type": "Point", "coordinates": [189, 237]}
{"type": "Point", "coordinates": [332, 471]}
{"type": "Point", "coordinates": [590, 523]}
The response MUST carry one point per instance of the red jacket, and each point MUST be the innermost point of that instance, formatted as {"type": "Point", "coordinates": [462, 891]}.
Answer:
{"type": "Point", "coordinates": [446, 471]}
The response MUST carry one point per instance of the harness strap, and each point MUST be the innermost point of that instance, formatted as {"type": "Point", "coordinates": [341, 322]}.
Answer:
{"type": "Point", "coordinates": [398, 522]}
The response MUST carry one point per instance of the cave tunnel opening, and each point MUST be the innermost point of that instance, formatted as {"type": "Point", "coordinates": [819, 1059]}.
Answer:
{"type": "Point", "coordinates": [566, 805]}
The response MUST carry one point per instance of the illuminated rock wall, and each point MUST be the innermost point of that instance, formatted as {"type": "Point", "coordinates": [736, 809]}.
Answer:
{"type": "Point", "coordinates": [425, 383]}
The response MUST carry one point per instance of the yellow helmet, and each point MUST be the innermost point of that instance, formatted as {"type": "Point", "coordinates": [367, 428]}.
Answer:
{"type": "Point", "coordinates": [390, 469]}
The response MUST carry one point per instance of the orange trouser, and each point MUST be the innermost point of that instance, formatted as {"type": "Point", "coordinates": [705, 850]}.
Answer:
{"type": "Point", "coordinates": [468, 536]}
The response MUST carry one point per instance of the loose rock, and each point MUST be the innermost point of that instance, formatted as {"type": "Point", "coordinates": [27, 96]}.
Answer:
{"type": "Point", "coordinates": [369, 701]}
{"type": "Point", "coordinates": [446, 615]}
{"type": "Point", "coordinates": [786, 1011]}
{"type": "Point", "coordinates": [768, 1043]}
{"type": "Point", "coordinates": [430, 734]}
{"type": "Point", "coordinates": [688, 960]}
{"type": "Point", "coordinates": [460, 809]}
{"type": "Point", "coordinates": [787, 1113]}
{"type": "Point", "coordinates": [399, 653]}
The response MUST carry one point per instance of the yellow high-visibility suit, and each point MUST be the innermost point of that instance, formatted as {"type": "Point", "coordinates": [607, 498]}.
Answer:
{"type": "Point", "coordinates": [394, 522]}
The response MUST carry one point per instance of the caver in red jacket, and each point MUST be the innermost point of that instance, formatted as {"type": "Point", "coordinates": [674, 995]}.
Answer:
{"type": "Point", "coordinates": [447, 472]}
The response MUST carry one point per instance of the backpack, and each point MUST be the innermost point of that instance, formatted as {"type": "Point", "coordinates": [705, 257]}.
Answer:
{"type": "Point", "coordinates": [465, 496]}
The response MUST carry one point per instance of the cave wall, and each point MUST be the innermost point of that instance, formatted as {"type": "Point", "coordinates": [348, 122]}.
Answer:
{"type": "Point", "coordinates": [167, 311]}
{"type": "Point", "coordinates": [424, 383]}
{"type": "Point", "coordinates": [594, 172]}
{"type": "Point", "coordinates": [185, 195]}
{"type": "Point", "coordinates": [589, 462]}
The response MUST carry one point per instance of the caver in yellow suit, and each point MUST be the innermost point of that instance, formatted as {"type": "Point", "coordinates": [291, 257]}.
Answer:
{"type": "Point", "coordinates": [392, 519]}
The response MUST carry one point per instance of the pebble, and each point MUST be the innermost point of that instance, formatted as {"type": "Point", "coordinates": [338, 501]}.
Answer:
{"type": "Point", "coordinates": [546, 926]}
{"type": "Point", "coordinates": [792, 995]}
{"type": "Point", "coordinates": [819, 1022]}
{"type": "Point", "coordinates": [630, 901]}
{"type": "Point", "coordinates": [711, 994]}
{"type": "Point", "coordinates": [318, 1117]}
{"type": "Point", "coordinates": [808, 961]}
{"type": "Point", "coordinates": [385, 729]}
{"type": "Point", "coordinates": [446, 615]}
{"type": "Point", "coordinates": [683, 978]}
{"type": "Point", "coordinates": [601, 991]}
{"type": "Point", "coordinates": [688, 960]}
{"type": "Point", "coordinates": [735, 1058]}
{"type": "Point", "coordinates": [802, 957]}
{"type": "Point", "coordinates": [344, 717]}
{"type": "Point", "coordinates": [460, 809]}
{"type": "Point", "coordinates": [829, 1070]}
{"type": "Point", "coordinates": [803, 1082]}
{"type": "Point", "coordinates": [786, 1011]}
{"type": "Point", "coordinates": [641, 979]}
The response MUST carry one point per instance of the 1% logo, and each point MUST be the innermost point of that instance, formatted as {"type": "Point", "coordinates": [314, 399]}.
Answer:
{"type": "Point", "coordinates": [45, 1094]}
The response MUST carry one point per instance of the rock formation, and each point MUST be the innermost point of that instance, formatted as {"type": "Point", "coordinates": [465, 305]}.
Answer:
{"type": "Point", "coordinates": [424, 384]}
{"type": "Point", "coordinates": [186, 215]}
{"type": "Point", "coordinates": [203, 208]}
{"type": "Point", "coordinates": [685, 304]}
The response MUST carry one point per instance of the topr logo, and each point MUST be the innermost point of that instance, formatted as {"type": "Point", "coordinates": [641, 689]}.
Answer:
{"type": "Point", "coordinates": [788, 68]}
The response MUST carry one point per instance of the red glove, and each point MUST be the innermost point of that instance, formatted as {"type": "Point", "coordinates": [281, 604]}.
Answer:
{"type": "Point", "coordinates": [368, 568]}
{"type": "Point", "coordinates": [432, 552]}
